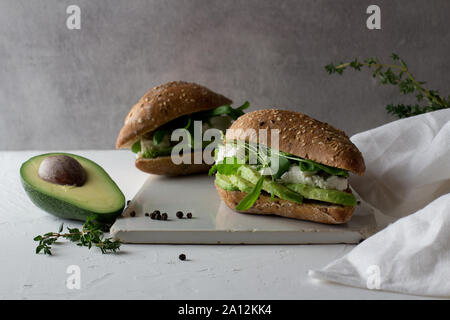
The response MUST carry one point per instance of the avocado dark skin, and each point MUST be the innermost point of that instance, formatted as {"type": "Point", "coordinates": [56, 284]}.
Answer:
{"type": "Point", "coordinates": [71, 187]}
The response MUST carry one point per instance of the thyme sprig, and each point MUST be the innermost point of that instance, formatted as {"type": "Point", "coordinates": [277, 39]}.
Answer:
{"type": "Point", "coordinates": [398, 74]}
{"type": "Point", "coordinates": [90, 235]}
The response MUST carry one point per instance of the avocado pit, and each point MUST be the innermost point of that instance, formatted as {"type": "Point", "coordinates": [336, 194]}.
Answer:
{"type": "Point", "coordinates": [62, 170]}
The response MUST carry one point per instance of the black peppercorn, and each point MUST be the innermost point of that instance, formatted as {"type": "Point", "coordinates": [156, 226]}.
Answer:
{"type": "Point", "coordinates": [132, 213]}
{"type": "Point", "coordinates": [153, 216]}
{"type": "Point", "coordinates": [156, 212]}
{"type": "Point", "coordinates": [164, 216]}
{"type": "Point", "coordinates": [146, 214]}
{"type": "Point", "coordinates": [158, 216]}
{"type": "Point", "coordinates": [182, 257]}
{"type": "Point", "coordinates": [189, 215]}
{"type": "Point", "coordinates": [179, 214]}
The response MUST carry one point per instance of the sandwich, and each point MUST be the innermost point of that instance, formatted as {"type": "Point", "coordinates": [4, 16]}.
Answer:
{"type": "Point", "coordinates": [299, 170]}
{"type": "Point", "coordinates": [151, 121]}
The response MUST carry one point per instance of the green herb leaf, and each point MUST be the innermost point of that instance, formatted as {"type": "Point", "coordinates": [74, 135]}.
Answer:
{"type": "Point", "coordinates": [212, 170]}
{"type": "Point", "coordinates": [225, 110]}
{"type": "Point", "coordinates": [314, 166]}
{"type": "Point", "coordinates": [283, 164]}
{"type": "Point", "coordinates": [307, 166]}
{"type": "Point", "coordinates": [228, 166]}
{"type": "Point", "coordinates": [89, 236]}
{"type": "Point", "coordinates": [251, 197]}
{"type": "Point", "coordinates": [244, 106]}
{"type": "Point", "coordinates": [158, 136]}
{"type": "Point", "coordinates": [136, 147]}
{"type": "Point", "coordinates": [188, 123]}
{"type": "Point", "coordinates": [398, 74]}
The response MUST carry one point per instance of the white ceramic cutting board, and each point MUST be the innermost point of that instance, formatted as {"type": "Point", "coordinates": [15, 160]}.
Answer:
{"type": "Point", "coordinates": [214, 223]}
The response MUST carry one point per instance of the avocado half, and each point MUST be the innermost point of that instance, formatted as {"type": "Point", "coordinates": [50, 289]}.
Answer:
{"type": "Point", "coordinates": [99, 197]}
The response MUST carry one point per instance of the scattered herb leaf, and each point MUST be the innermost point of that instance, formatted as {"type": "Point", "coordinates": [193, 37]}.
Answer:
{"type": "Point", "coordinates": [91, 234]}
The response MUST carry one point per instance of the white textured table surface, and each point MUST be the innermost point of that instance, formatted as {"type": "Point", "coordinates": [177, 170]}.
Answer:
{"type": "Point", "coordinates": [150, 271]}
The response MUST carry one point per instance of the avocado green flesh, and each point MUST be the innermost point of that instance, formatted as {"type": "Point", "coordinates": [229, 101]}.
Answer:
{"type": "Point", "coordinates": [99, 196]}
{"type": "Point", "coordinates": [247, 177]}
{"type": "Point", "coordinates": [269, 186]}
{"type": "Point", "coordinates": [332, 196]}
{"type": "Point", "coordinates": [225, 183]}
{"type": "Point", "coordinates": [242, 184]}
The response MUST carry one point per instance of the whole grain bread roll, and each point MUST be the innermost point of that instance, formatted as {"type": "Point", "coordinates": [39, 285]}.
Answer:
{"type": "Point", "coordinates": [301, 136]}
{"type": "Point", "coordinates": [165, 103]}
{"type": "Point", "coordinates": [306, 138]}
{"type": "Point", "coordinates": [159, 106]}
{"type": "Point", "coordinates": [165, 166]}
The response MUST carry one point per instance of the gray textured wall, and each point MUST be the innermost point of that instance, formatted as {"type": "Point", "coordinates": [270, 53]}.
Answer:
{"type": "Point", "coordinates": [62, 89]}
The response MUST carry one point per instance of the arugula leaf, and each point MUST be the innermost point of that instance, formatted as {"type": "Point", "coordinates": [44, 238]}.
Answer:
{"type": "Point", "coordinates": [244, 106]}
{"type": "Point", "coordinates": [213, 170]}
{"type": "Point", "coordinates": [251, 197]}
{"type": "Point", "coordinates": [136, 147]}
{"type": "Point", "coordinates": [330, 170]}
{"type": "Point", "coordinates": [225, 110]}
{"type": "Point", "coordinates": [158, 136]}
{"type": "Point", "coordinates": [188, 124]}
{"type": "Point", "coordinates": [307, 166]}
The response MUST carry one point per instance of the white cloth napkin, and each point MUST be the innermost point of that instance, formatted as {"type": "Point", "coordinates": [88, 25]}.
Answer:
{"type": "Point", "coordinates": [407, 181]}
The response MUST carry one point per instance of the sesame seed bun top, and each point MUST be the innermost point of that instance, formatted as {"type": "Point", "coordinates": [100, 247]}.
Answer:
{"type": "Point", "coordinates": [301, 136]}
{"type": "Point", "coordinates": [165, 103]}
